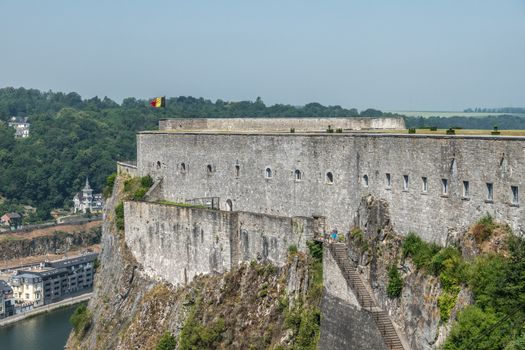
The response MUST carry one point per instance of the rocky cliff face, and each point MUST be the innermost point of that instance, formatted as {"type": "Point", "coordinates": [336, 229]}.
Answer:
{"type": "Point", "coordinates": [59, 241]}
{"type": "Point", "coordinates": [253, 306]}
{"type": "Point", "coordinates": [375, 248]}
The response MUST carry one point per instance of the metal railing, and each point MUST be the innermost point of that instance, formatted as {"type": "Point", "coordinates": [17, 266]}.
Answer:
{"type": "Point", "coordinates": [209, 202]}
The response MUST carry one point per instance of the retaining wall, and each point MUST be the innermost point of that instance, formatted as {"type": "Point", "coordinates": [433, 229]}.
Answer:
{"type": "Point", "coordinates": [177, 243]}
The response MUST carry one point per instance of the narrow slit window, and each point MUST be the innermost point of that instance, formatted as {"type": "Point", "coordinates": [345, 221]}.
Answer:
{"type": "Point", "coordinates": [183, 167]}
{"type": "Point", "coordinates": [515, 194]}
{"type": "Point", "coordinates": [297, 175]}
{"type": "Point", "coordinates": [268, 173]}
{"type": "Point", "coordinates": [237, 170]}
{"type": "Point", "coordinates": [466, 189]}
{"type": "Point", "coordinates": [209, 168]}
{"type": "Point", "coordinates": [425, 184]}
{"type": "Point", "coordinates": [490, 191]}
{"type": "Point", "coordinates": [329, 178]}
{"type": "Point", "coordinates": [444, 187]}
{"type": "Point", "coordinates": [405, 182]}
{"type": "Point", "coordinates": [388, 180]}
{"type": "Point", "coordinates": [365, 180]}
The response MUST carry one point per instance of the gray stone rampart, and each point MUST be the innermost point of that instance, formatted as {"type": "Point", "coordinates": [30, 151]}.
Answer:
{"type": "Point", "coordinates": [335, 283]}
{"type": "Point", "coordinates": [345, 327]}
{"type": "Point", "coordinates": [238, 162]}
{"type": "Point", "coordinates": [177, 243]}
{"type": "Point", "coordinates": [281, 124]}
{"type": "Point", "coordinates": [129, 168]}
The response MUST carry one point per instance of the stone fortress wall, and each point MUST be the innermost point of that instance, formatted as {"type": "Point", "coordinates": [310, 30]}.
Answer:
{"type": "Point", "coordinates": [280, 124]}
{"type": "Point", "coordinates": [178, 243]}
{"type": "Point", "coordinates": [321, 174]}
{"type": "Point", "coordinates": [278, 189]}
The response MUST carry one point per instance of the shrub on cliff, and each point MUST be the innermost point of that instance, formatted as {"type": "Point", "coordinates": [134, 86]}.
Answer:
{"type": "Point", "coordinates": [146, 181]}
{"type": "Point", "coordinates": [483, 228]}
{"type": "Point", "coordinates": [495, 321]}
{"type": "Point", "coordinates": [137, 187]}
{"type": "Point", "coordinates": [166, 342]}
{"type": "Point", "coordinates": [316, 250]}
{"type": "Point", "coordinates": [395, 282]}
{"type": "Point", "coordinates": [119, 216]}
{"type": "Point", "coordinates": [421, 252]}
{"type": "Point", "coordinates": [292, 249]}
{"type": "Point", "coordinates": [445, 263]}
{"type": "Point", "coordinates": [196, 336]}
{"type": "Point", "coordinates": [357, 236]}
{"type": "Point", "coordinates": [110, 181]}
{"type": "Point", "coordinates": [81, 320]}
{"type": "Point", "coordinates": [139, 194]}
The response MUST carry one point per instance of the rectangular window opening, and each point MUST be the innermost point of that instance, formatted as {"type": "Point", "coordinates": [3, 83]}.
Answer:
{"type": "Point", "coordinates": [444, 186]}
{"type": "Point", "coordinates": [425, 184]}
{"type": "Point", "coordinates": [490, 191]}
{"type": "Point", "coordinates": [365, 180]}
{"type": "Point", "coordinates": [388, 181]}
{"type": "Point", "coordinates": [515, 195]}
{"type": "Point", "coordinates": [405, 182]}
{"type": "Point", "coordinates": [466, 187]}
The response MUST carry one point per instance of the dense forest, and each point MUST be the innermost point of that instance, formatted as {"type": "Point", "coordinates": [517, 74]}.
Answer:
{"type": "Point", "coordinates": [72, 138]}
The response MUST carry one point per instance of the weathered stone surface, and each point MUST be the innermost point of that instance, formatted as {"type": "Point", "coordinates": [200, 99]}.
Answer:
{"type": "Point", "coordinates": [349, 157]}
{"type": "Point", "coordinates": [178, 243]}
{"type": "Point", "coordinates": [335, 283]}
{"type": "Point", "coordinates": [280, 124]}
{"type": "Point", "coordinates": [344, 327]}
{"type": "Point", "coordinates": [416, 312]}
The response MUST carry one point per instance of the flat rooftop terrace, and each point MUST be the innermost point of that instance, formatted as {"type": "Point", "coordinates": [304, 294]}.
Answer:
{"type": "Point", "coordinates": [420, 133]}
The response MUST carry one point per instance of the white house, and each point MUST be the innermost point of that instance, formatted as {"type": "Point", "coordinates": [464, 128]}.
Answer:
{"type": "Point", "coordinates": [86, 200]}
{"type": "Point", "coordinates": [21, 125]}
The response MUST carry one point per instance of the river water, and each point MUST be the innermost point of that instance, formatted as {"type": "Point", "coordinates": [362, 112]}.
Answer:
{"type": "Point", "coordinates": [47, 331]}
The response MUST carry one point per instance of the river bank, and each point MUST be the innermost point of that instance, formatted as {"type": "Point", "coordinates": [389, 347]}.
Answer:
{"type": "Point", "coordinates": [46, 308]}
{"type": "Point", "coordinates": [45, 331]}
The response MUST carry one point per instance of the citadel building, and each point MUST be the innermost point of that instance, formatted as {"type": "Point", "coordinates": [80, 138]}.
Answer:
{"type": "Point", "coordinates": [281, 182]}
{"type": "Point", "coordinates": [435, 185]}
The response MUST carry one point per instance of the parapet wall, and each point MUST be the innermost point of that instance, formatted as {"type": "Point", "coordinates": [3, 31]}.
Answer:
{"type": "Point", "coordinates": [329, 174]}
{"type": "Point", "coordinates": [280, 124]}
{"type": "Point", "coordinates": [177, 243]}
{"type": "Point", "coordinates": [344, 327]}
{"type": "Point", "coordinates": [127, 167]}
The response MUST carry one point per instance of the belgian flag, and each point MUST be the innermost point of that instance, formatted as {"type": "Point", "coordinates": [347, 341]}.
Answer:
{"type": "Point", "coordinates": [158, 102]}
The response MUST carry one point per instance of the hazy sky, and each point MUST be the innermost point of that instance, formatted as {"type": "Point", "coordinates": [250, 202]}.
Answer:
{"type": "Point", "coordinates": [392, 55]}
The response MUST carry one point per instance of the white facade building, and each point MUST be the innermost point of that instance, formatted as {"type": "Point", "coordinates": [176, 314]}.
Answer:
{"type": "Point", "coordinates": [21, 125]}
{"type": "Point", "coordinates": [86, 200]}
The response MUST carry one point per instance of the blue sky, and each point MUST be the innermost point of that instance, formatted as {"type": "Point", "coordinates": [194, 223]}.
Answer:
{"type": "Point", "coordinates": [392, 55]}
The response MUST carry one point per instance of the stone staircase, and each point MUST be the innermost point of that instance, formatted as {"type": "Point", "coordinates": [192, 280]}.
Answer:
{"type": "Point", "coordinates": [384, 324]}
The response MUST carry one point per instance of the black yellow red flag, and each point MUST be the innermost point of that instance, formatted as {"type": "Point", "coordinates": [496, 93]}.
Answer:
{"type": "Point", "coordinates": [158, 102]}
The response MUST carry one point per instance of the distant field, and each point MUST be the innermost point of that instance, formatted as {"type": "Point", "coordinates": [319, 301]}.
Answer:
{"type": "Point", "coordinates": [447, 114]}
